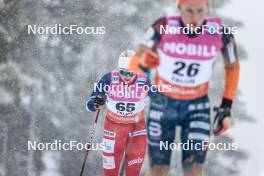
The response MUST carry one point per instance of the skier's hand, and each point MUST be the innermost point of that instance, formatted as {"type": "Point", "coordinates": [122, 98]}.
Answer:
{"type": "Point", "coordinates": [149, 59]}
{"type": "Point", "coordinates": [222, 120]}
{"type": "Point", "coordinates": [99, 101]}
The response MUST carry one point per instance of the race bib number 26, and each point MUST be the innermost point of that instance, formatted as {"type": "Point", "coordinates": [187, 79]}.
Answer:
{"type": "Point", "coordinates": [185, 72]}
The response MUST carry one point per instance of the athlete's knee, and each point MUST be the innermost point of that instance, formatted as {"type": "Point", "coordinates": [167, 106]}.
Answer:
{"type": "Point", "coordinates": [159, 170]}
{"type": "Point", "coordinates": [192, 160]}
{"type": "Point", "coordinates": [192, 169]}
{"type": "Point", "coordinates": [109, 165]}
{"type": "Point", "coordinates": [134, 166]}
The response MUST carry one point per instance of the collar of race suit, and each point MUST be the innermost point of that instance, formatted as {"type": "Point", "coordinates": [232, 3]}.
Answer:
{"type": "Point", "coordinates": [132, 81]}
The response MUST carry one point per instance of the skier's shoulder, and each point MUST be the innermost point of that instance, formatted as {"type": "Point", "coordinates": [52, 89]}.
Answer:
{"type": "Point", "coordinates": [158, 23]}
{"type": "Point", "coordinates": [227, 36]}
{"type": "Point", "coordinates": [227, 33]}
{"type": "Point", "coordinates": [107, 75]}
{"type": "Point", "coordinates": [105, 79]}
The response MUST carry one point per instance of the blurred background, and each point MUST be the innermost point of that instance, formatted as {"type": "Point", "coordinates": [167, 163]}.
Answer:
{"type": "Point", "coordinates": [46, 79]}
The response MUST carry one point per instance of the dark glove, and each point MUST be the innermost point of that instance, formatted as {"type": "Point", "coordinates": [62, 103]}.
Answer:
{"type": "Point", "coordinates": [99, 100]}
{"type": "Point", "coordinates": [221, 114]}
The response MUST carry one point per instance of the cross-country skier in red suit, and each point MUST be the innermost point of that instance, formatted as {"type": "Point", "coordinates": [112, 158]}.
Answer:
{"type": "Point", "coordinates": [124, 126]}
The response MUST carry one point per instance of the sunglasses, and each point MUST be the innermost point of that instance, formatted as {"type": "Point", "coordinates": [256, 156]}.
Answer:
{"type": "Point", "coordinates": [126, 73]}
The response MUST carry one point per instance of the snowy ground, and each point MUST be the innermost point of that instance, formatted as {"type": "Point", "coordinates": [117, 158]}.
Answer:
{"type": "Point", "coordinates": [249, 136]}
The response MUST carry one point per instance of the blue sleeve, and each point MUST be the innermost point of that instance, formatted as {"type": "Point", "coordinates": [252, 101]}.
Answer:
{"type": "Point", "coordinates": [98, 89]}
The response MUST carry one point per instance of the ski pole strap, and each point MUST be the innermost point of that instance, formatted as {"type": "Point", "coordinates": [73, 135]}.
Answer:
{"type": "Point", "coordinates": [221, 114]}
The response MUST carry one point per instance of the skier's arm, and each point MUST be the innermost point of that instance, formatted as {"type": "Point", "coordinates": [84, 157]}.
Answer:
{"type": "Point", "coordinates": [146, 57]}
{"type": "Point", "coordinates": [229, 52]}
{"type": "Point", "coordinates": [222, 119]}
{"type": "Point", "coordinates": [98, 94]}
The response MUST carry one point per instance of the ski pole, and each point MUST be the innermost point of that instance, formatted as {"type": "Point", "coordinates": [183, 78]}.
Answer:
{"type": "Point", "coordinates": [90, 142]}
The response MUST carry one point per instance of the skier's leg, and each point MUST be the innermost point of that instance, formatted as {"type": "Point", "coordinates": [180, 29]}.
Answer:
{"type": "Point", "coordinates": [161, 130]}
{"type": "Point", "coordinates": [196, 132]}
{"type": "Point", "coordinates": [136, 149]}
{"type": "Point", "coordinates": [197, 170]}
{"type": "Point", "coordinates": [115, 138]}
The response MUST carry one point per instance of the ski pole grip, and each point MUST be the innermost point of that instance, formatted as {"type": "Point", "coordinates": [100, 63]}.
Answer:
{"type": "Point", "coordinates": [216, 109]}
